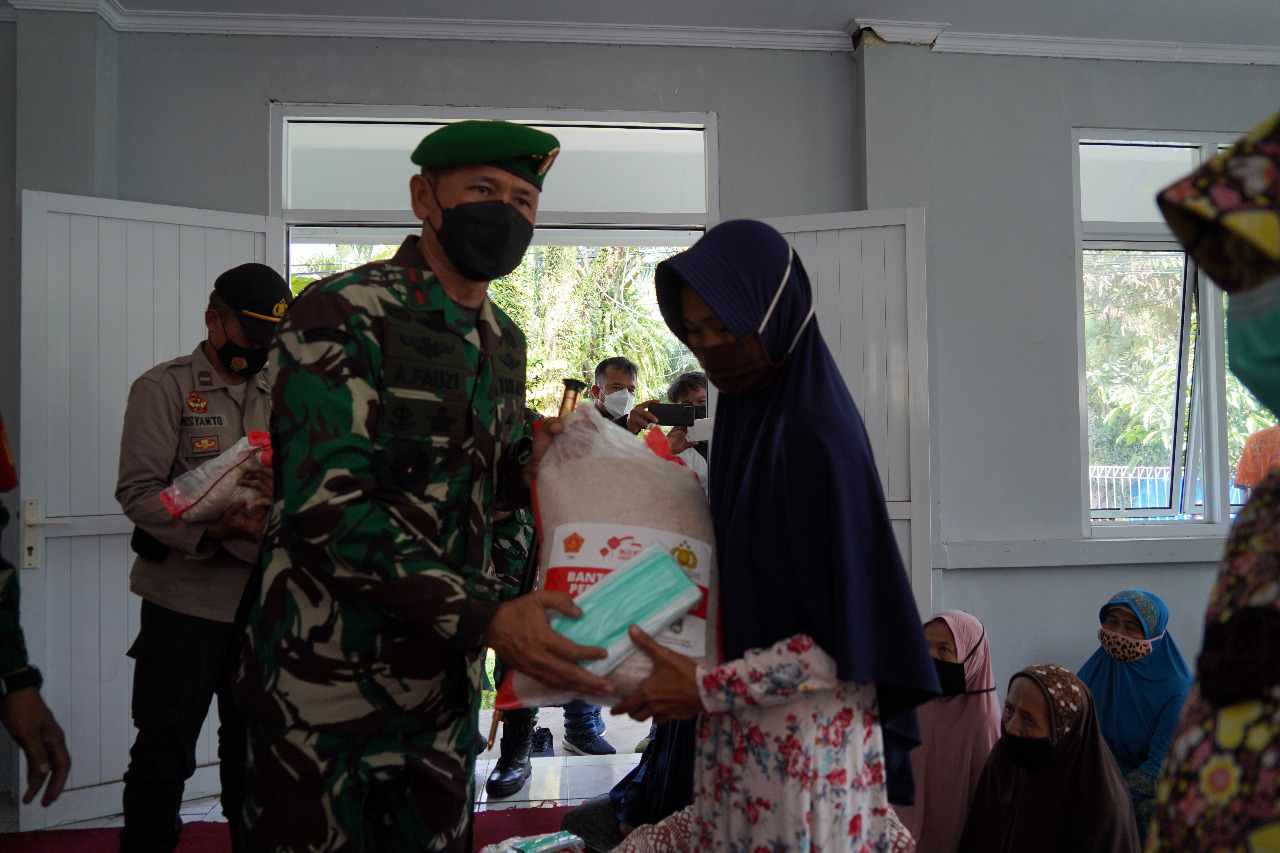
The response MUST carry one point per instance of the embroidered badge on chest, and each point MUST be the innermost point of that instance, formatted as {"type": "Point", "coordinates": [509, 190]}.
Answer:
{"type": "Point", "coordinates": [197, 404]}
{"type": "Point", "coordinates": [205, 444]}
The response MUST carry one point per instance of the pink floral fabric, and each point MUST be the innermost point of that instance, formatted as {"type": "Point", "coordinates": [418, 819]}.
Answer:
{"type": "Point", "coordinates": [789, 758]}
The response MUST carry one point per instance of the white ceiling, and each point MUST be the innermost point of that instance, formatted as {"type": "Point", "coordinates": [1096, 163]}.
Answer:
{"type": "Point", "coordinates": [1208, 22]}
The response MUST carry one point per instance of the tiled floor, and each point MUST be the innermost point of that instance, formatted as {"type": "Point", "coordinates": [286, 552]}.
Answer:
{"type": "Point", "coordinates": [558, 781]}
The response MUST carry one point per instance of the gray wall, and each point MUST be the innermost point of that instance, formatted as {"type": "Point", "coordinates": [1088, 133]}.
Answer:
{"type": "Point", "coordinates": [193, 117]}
{"type": "Point", "coordinates": [8, 315]}
{"type": "Point", "coordinates": [985, 144]}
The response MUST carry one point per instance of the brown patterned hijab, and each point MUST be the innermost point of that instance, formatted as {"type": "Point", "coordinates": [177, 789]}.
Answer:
{"type": "Point", "coordinates": [1078, 801]}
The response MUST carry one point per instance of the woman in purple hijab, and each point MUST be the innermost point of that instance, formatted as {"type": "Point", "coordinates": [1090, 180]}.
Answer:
{"type": "Point", "coordinates": [803, 731]}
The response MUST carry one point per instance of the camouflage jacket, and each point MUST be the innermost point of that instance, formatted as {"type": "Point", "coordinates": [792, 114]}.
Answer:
{"type": "Point", "coordinates": [513, 545]}
{"type": "Point", "coordinates": [13, 650]}
{"type": "Point", "coordinates": [396, 427]}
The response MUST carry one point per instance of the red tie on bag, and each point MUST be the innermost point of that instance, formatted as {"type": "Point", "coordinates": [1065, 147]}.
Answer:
{"type": "Point", "coordinates": [8, 473]}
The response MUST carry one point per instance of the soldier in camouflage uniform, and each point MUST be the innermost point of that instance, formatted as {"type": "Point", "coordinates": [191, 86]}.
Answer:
{"type": "Point", "coordinates": [515, 563]}
{"type": "Point", "coordinates": [397, 430]}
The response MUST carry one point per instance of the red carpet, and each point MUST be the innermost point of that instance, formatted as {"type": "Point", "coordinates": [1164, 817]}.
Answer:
{"type": "Point", "coordinates": [490, 828]}
{"type": "Point", "coordinates": [196, 838]}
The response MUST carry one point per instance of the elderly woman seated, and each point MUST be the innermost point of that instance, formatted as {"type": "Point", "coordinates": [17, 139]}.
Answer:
{"type": "Point", "coordinates": [1050, 783]}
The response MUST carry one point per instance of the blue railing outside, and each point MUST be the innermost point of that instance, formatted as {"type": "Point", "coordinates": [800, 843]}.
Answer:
{"type": "Point", "coordinates": [1120, 487]}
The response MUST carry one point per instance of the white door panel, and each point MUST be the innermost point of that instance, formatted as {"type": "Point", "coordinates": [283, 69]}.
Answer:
{"type": "Point", "coordinates": [109, 289]}
{"type": "Point", "coordinates": [868, 276]}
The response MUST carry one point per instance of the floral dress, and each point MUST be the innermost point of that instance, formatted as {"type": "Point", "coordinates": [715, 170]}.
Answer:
{"type": "Point", "coordinates": [789, 758]}
{"type": "Point", "coordinates": [1218, 787]}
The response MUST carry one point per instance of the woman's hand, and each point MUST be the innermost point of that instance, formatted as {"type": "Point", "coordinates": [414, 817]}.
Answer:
{"type": "Point", "coordinates": [671, 690]}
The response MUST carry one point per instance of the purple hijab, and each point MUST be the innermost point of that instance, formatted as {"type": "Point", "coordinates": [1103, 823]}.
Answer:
{"type": "Point", "coordinates": [802, 532]}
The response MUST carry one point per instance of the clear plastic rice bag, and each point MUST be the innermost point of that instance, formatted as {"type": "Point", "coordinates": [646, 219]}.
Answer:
{"type": "Point", "coordinates": [205, 493]}
{"type": "Point", "coordinates": [603, 498]}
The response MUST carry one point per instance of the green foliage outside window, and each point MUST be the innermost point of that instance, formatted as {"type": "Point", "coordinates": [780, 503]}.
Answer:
{"type": "Point", "coordinates": [577, 306]}
{"type": "Point", "coordinates": [1132, 313]}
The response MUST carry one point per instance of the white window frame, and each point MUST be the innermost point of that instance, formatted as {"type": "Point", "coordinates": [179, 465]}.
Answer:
{"type": "Point", "coordinates": [1208, 415]}
{"type": "Point", "coordinates": [548, 220]}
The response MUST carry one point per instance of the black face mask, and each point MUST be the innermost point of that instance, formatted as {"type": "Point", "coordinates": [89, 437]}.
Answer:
{"type": "Point", "coordinates": [950, 676]}
{"type": "Point", "coordinates": [483, 240]}
{"type": "Point", "coordinates": [1029, 753]}
{"type": "Point", "coordinates": [242, 361]}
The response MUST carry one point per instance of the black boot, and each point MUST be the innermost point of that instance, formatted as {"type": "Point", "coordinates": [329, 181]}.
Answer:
{"type": "Point", "coordinates": [513, 767]}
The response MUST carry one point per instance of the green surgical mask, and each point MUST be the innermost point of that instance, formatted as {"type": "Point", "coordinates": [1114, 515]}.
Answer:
{"type": "Point", "coordinates": [1253, 341]}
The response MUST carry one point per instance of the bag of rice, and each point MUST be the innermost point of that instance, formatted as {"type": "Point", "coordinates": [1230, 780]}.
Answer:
{"type": "Point", "coordinates": [601, 498]}
{"type": "Point", "coordinates": [204, 493]}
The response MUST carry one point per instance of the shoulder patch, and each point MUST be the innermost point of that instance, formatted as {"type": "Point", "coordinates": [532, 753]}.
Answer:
{"type": "Point", "coordinates": [162, 369]}
{"type": "Point", "coordinates": [326, 333]}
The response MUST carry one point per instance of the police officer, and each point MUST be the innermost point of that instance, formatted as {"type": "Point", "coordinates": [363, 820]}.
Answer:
{"type": "Point", "coordinates": [190, 575]}
{"type": "Point", "coordinates": [397, 431]}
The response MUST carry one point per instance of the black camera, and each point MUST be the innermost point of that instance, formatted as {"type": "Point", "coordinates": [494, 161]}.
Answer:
{"type": "Point", "coordinates": [677, 414]}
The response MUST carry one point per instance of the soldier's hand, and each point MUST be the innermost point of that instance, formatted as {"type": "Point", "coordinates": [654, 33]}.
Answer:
{"type": "Point", "coordinates": [241, 521]}
{"type": "Point", "coordinates": [41, 740]}
{"type": "Point", "coordinates": [548, 429]}
{"type": "Point", "coordinates": [641, 417]}
{"type": "Point", "coordinates": [522, 636]}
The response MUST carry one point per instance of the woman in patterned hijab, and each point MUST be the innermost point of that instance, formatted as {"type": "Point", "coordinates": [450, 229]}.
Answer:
{"type": "Point", "coordinates": [1217, 790]}
{"type": "Point", "coordinates": [1050, 783]}
{"type": "Point", "coordinates": [1139, 681]}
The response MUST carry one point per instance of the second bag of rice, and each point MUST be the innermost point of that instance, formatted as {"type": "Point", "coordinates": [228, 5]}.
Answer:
{"type": "Point", "coordinates": [205, 493]}
{"type": "Point", "coordinates": [602, 497]}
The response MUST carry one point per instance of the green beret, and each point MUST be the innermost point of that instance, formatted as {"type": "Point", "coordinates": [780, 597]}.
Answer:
{"type": "Point", "coordinates": [523, 151]}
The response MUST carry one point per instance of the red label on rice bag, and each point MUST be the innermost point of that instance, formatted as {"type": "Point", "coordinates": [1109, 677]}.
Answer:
{"type": "Point", "coordinates": [582, 554]}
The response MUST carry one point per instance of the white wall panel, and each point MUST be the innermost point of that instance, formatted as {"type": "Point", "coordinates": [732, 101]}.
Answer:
{"type": "Point", "coordinates": [868, 286]}
{"type": "Point", "coordinates": [113, 311]}
{"type": "Point", "coordinates": [109, 289]}
{"type": "Point", "coordinates": [82, 451]}
{"type": "Point", "coordinates": [57, 354]}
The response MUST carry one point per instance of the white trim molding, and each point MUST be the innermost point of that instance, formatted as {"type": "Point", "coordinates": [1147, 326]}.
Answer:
{"type": "Point", "coordinates": [937, 35]}
{"type": "Point", "coordinates": [1122, 49]}
{"type": "Point", "coordinates": [940, 39]}
{"type": "Point", "coordinates": [364, 26]}
{"type": "Point", "coordinates": [900, 32]}
{"type": "Point", "coordinates": [1040, 553]}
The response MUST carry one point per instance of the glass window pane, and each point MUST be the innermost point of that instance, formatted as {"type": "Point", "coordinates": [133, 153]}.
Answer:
{"type": "Point", "coordinates": [333, 165]}
{"type": "Point", "coordinates": [1253, 439]}
{"type": "Point", "coordinates": [576, 304]}
{"type": "Point", "coordinates": [1133, 353]}
{"type": "Point", "coordinates": [1118, 183]}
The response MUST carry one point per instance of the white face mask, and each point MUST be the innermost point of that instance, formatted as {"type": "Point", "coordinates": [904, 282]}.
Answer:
{"type": "Point", "coordinates": [619, 403]}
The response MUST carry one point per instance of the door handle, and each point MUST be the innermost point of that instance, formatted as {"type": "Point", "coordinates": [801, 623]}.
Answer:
{"type": "Point", "coordinates": [31, 522]}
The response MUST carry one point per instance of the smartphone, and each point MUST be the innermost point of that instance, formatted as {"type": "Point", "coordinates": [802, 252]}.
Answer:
{"type": "Point", "coordinates": [673, 414]}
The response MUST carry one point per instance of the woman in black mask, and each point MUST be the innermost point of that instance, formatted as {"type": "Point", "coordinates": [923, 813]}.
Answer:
{"type": "Point", "coordinates": [1050, 783]}
{"type": "Point", "coordinates": [957, 731]}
